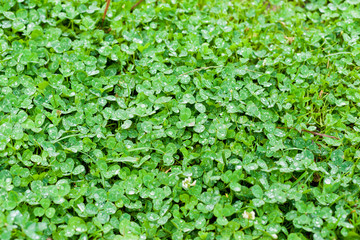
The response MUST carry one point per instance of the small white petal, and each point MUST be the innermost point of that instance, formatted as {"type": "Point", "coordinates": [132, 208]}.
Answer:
{"type": "Point", "coordinates": [252, 215]}
{"type": "Point", "coordinates": [274, 236]}
{"type": "Point", "coordinates": [193, 184]}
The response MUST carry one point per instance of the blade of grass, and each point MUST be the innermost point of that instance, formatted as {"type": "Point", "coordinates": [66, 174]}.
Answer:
{"type": "Point", "coordinates": [199, 69]}
{"type": "Point", "coordinates": [312, 132]}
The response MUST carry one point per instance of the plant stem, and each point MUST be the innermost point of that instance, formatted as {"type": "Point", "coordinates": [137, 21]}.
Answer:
{"type": "Point", "coordinates": [135, 5]}
{"type": "Point", "coordinates": [199, 69]}
{"type": "Point", "coordinates": [105, 11]}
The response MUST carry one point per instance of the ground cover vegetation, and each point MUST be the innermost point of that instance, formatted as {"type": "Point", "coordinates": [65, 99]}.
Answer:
{"type": "Point", "coordinates": [180, 119]}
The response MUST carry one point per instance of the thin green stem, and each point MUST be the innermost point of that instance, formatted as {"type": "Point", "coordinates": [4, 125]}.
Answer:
{"type": "Point", "coordinates": [338, 53]}
{"type": "Point", "coordinates": [199, 69]}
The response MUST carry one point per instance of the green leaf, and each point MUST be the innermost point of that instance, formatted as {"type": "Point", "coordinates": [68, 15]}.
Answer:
{"type": "Point", "coordinates": [257, 191]}
{"type": "Point", "coordinates": [185, 114]}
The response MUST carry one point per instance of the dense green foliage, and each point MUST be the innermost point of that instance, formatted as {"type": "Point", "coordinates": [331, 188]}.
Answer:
{"type": "Point", "coordinates": [182, 120]}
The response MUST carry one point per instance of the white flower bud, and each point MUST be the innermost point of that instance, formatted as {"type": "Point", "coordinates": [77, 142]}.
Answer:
{"type": "Point", "coordinates": [186, 183]}
{"type": "Point", "coordinates": [249, 215]}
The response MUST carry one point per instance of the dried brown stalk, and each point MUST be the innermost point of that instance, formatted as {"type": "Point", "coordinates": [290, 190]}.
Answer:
{"type": "Point", "coordinates": [106, 9]}
{"type": "Point", "coordinates": [136, 4]}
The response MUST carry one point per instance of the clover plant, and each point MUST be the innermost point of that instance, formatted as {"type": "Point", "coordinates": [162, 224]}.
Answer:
{"type": "Point", "coordinates": [181, 119]}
